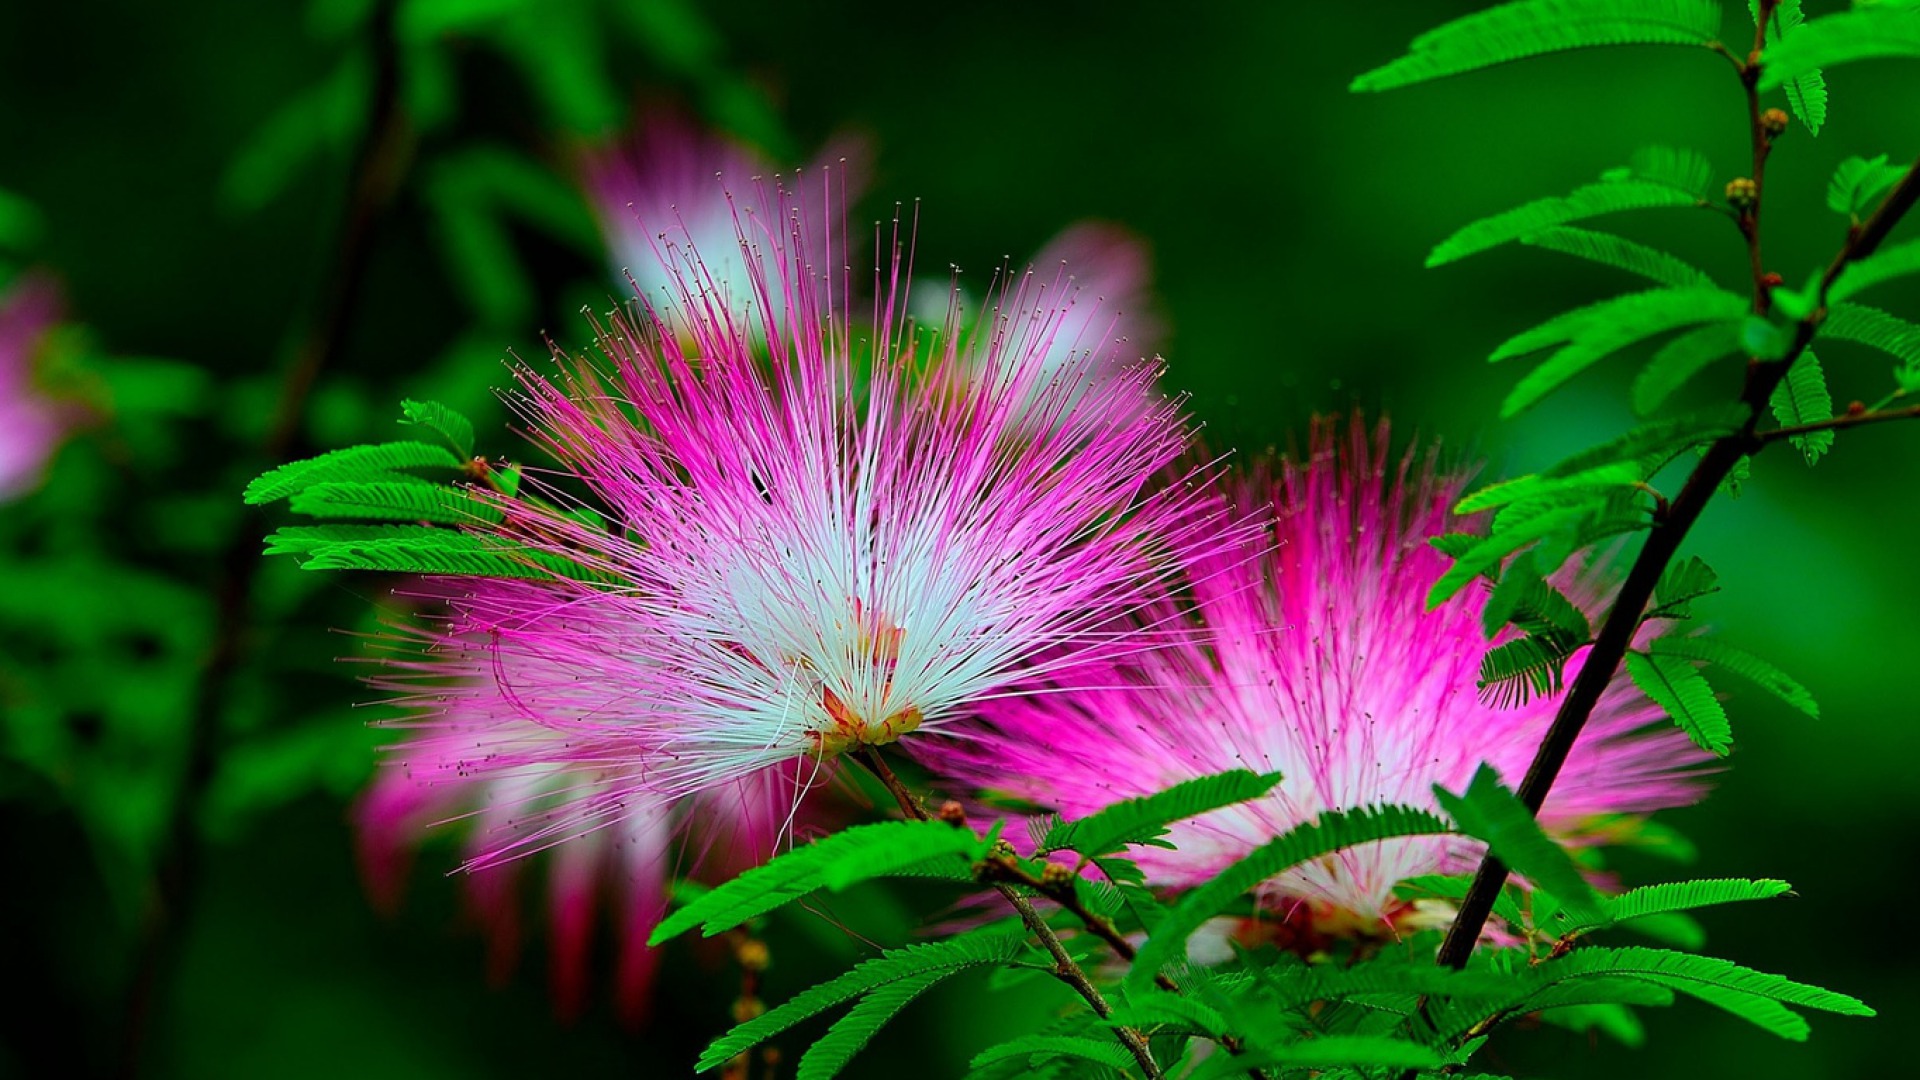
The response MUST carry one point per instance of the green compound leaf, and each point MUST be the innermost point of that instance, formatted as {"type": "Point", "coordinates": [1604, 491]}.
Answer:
{"type": "Point", "coordinates": [1490, 812]}
{"type": "Point", "coordinates": [1744, 664]}
{"type": "Point", "coordinates": [1657, 441]}
{"type": "Point", "coordinates": [1593, 200]}
{"type": "Point", "coordinates": [1681, 359]}
{"type": "Point", "coordinates": [1621, 254]}
{"type": "Point", "coordinates": [1145, 820]}
{"type": "Point", "coordinates": [1676, 896]}
{"type": "Point", "coordinates": [920, 965]}
{"type": "Point", "coordinates": [1802, 398]}
{"type": "Point", "coordinates": [1752, 995]}
{"type": "Point", "coordinates": [1489, 552]}
{"type": "Point", "coordinates": [1883, 31]}
{"type": "Point", "coordinates": [1520, 670]}
{"type": "Point", "coordinates": [1538, 27]}
{"type": "Point", "coordinates": [1035, 1049]}
{"type": "Point", "coordinates": [1683, 693]}
{"type": "Point", "coordinates": [851, 1033]}
{"type": "Point", "coordinates": [372, 462]}
{"type": "Point", "coordinates": [1618, 324]}
{"type": "Point", "coordinates": [1680, 584]}
{"type": "Point", "coordinates": [1324, 1052]}
{"type": "Point", "coordinates": [1806, 93]}
{"type": "Point", "coordinates": [394, 500]}
{"type": "Point", "coordinates": [1332, 832]}
{"type": "Point", "coordinates": [456, 429]}
{"type": "Point", "coordinates": [848, 856]}
{"type": "Point", "coordinates": [1875, 329]}
{"type": "Point", "coordinates": [1884, 265]}
{"type": "Point", "coordinates": [1858, 184]}
{"type": "Point", "coordinates": [412, 549]}
{"type": "Point", "coordinates": [1526, 599]}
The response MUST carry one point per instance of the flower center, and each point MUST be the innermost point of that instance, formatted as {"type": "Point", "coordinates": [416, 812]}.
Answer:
{"type": "Point", "coordinates": [878, 640]}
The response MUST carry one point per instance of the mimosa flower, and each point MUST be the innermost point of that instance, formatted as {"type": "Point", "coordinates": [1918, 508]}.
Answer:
{"type": "Point", "coordinates": [32, 424]}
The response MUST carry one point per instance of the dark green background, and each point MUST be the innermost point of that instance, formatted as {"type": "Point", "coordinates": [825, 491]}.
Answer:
{"type": "Point", "coordinates": [1288, 221]}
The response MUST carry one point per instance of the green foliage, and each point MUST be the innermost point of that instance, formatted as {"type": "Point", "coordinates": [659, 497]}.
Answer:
{"type": "Point", "coordinates": [1529, 601]}
{"type": "Point", "coordinates": [1514, 673]}
{"type": "Point", "coordinates": [414, 549]}
{"type": "Point", "coordinates": [1619, 190]}
{"type": "Point", "coordinates": [1744, 664]}
{"type": "Point", "coordinates": [1675, 896]}
{"type": "Point", "coordinates": [394, 500]}
{"type": "Point", "coordinates": [1541, 489]}
{"type": "Point", "coordinates": [375, 462]}
{"type": "Point", "coordinates": [1621, 254]}
{"type": "Point", "coordinates": [1619, 323]}
{"type": "Point", "coordinates": [456, 429]}
{"type": "Point", "coordinates": [322, 120]}
{"type": "Point", "coordinates": [1802, 398]}
{"type": "Point", "coordinates": [1895, 261]}
{"type": "Point", "coordinates": [1657, 442]}
{"type": "Point", "coordinates": [1333, 831]}
{"type": "Point", "coordinates": [1752, 995]}
{"type": "Point", "coordinates": [1878, 330]}
{"type": "Point", "coordinates": [1681, 359]}
{"type": "Point", "coordinates": [912, 969]}
{"type": "Point", "coordinates": [1033, 1050]}
{"type": "Point", "coordinates": [1145, 820]}
{"type": "Point", "coordinates": [1865, 33]}
{"type": "Point", "coordinates": [1324, 1052]}
{"type": "Point", "coordinates": [1859, 183]}
{"type": "Point", "coordinates": [833, 862]}
{"type": "Point", "coordinates": [1683, 693]}
{"type": "Point", "coordinates": [1680, 584]}
{"type": "Point", "coordinates": [1488, 811]}
{"type": "Point", "coordinates": [1527, 28]}
{"type": "Point", "coordinates": [1807, 91]}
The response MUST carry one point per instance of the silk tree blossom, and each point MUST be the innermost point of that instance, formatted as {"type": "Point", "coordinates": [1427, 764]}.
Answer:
{"type": "Point", "coordinates": [805, 542]}
{"type": "Point", "coordinates": [670, 184]}
{"type": "Point", "coordinates": [32, 423]}
{"type": "Point", "coordinates": [1323, 665]}
{"type": "Point", "coordinates": [438, 780]}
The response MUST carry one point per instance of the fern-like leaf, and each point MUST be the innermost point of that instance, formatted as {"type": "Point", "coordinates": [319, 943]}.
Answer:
{"type": "Point", "coordinates": [1145, 820]}
{"type": "Point", "coordinates": [1802, 398]}
{"type": "Point", "coordinates": [875, 850]}
{"type": "Point", "coordinates": [1324, 1053]}
{"type": "Point", "coordinates": [456, 429]}
{"type": "Point", "coordinates": [1680, 584]}
{"type": "Point", "coordinates": [1621, 323]}
{"type": "Point", "coordinates": [1657, 441]}
{"type": "Point", "coordinates": [394, 500]}
{"type": "Point", "coordinates": [1488, 811]}
{"type": "Point", "coordinates": [1744, 664]}
{"type": "Point", "coordinates": [985, 947]}
{"type": "Point", "coordinates": [412, 550]}
{"type": "Point", "coordinates": [305, 539]}
{"type": "Point", "coordinates": [1682, 896]}
{"type": "Point", "coordinates": [1490, 552]}
{"type": "Point", "coordinates": [1806, 92]}
{"type": "Point", "coordinates": [1034, 1049]}
{"type": "Point", "coordinates": [1866, 33]}
{"type": "Point", "coordinates": [1689, 974]}
{"type": "Point", "coordinates": [1527, 600]}
{"type": "Point", "coordinates": [1684, 694]}
{"type": "Point", "coordinates": [1681, 359]}
{"type": "Point", "coordinates": [1858, 184]}
{"type": "Point", "coordinates": [1593, 200]}
{"type": "Point", "coordinates": [372, 462]}
{"type": "Point", "coordinates": [1527, 28]}
{"type": "Point", "coordinates": [849, 1034]}
{"type": "Point", "coordinates": [1332, 832]}
{"type": "Point", "coordinates": [1516, 672]}
{"type": "Point", "coordinates": [1884, 265]}
{"type": "Point", "coordinates": [1621, 254]}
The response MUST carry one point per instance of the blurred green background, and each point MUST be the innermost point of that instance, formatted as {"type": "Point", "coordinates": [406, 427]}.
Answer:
{"type": "Point", "coordinates": [189, 167]}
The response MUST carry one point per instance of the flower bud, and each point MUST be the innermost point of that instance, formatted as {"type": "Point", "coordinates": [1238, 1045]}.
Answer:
{"type": "Point", "coordinates": [1054, 875]}
{"type": "Point", "coordinates": [752, 954]}
{"type": "Point", "coordinates": [1773, 122]}
{"type": "Point", "coordinates": [1742, 193]}
{"type": "Point", "coordinates": [953, 813]}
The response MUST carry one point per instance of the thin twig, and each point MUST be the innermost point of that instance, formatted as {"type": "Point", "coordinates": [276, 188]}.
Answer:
{"type": "Point", "coordinates": [1064, 967]}
{"type": "Point", "coordinates": [1837, 423]}
{"type": "Point", "coordinates": [375, 171]}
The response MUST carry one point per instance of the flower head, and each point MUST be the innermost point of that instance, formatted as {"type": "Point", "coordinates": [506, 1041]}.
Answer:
{"type": "Point", "coordinates": [805, 541]}
{"type": "Point", "coordinates": [31, 423]}
{"type": "Point", "coordinates": [1323, 665]}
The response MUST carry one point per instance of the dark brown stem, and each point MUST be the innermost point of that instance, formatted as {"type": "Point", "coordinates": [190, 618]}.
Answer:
{"type": "Point", "coordinates": [1616, 635]}
{"type": "Point", "coordinates": [1064, 967]}
{"type": "Point", "coordinates": [377, 165]}
{"type": "Point", "coordinates": [1844, 420]}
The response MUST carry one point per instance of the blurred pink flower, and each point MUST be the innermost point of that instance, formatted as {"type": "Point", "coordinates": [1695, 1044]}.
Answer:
{"type": "Point", "coordinates": [669, 191]}
{"type": "Point", "coordinates": [1324, 666]}
{"type": "Point", "coordinates": [437, 779]}
{"type": "Point", "coordinates": [31, 423]}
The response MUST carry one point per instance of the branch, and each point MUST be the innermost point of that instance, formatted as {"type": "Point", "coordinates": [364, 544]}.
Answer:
{"type": "Point", "coordinates": [1616, 635]}
{"type": "Point", "coordinates": [1064, 967]}
{"type": "Point", "coordinates": [378, 162]}
{"type": "Point", "coordinates": [1848, 419]}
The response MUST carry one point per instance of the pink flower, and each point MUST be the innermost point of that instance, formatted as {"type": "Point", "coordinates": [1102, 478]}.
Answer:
{"type": "Point", "coordinates": [1324, 666]}
{"type": "Point", "coordinates": [668, 192]}
{"type": "Point", "coordinates": [806, 541]}
{"type": "Point", "coordinates": [623, 855]}
{"type": "Point", "coordinates": [31, 423]}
